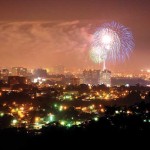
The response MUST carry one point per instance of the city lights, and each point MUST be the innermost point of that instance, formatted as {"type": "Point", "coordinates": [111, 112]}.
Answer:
{"type": "Point", "coordinates": [72, 76]}
{"type": "Point", "coordinates": [51, 117]}
{"type": "Point", "coordinates": [14, 122]}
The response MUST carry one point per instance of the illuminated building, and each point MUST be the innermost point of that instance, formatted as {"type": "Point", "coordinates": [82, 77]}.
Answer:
{"type": "Point", "coordinates": [19, 71]}
{"type": "Point", "coordinates": [4, 73]}
{"type": "Point", "coordinates": [91, 77]}
{"type": "Point", "coordinates": [105, 77]}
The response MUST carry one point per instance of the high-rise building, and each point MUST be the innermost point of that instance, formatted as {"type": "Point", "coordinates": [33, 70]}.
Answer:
{"type": "Point", "coordinates": [4, 73]}
{"type": "Point", "coordinates": [91, 77]}
{"type": "Point", "coordinates": [105, 77]}
{"type": "Point", "coordinates": [19, 71]}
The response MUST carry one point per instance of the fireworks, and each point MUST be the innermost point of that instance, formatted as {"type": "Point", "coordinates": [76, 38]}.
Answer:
{"type": "Point", "coordinates": [98, 55]}
{"type": "Point", "coordinates": [112, 42]}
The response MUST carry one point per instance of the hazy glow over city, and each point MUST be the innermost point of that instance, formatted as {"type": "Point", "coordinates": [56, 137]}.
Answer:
{"type": "Point", "coordinates": [73, 73]}
{"type": "Point", "coordinates": [51, 33]}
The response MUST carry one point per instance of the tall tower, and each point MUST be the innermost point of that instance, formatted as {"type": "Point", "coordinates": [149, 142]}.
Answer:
{"type": "Point", "coordinates": [19, 71]}
{"type": "Point", "coordinates": [105, 77]}
{"type": "Point", "coordinates": [91, 77]}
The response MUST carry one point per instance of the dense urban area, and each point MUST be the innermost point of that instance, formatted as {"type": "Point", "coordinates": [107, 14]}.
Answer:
{"type": "Point", "coordinates": [37, 100]}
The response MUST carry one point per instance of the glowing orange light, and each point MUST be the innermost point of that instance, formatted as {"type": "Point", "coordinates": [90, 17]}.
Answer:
{"type": "Point", "coordinates": [102, 110]}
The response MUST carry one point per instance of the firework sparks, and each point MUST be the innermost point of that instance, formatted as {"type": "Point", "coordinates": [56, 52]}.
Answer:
{"type": "Point", "coordinates": [111, 42]}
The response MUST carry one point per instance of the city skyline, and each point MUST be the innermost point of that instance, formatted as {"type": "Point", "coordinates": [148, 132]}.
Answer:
{"type": "Point", "coordinates": [72, 71]}
{"type": "Point", "coordinates": [36, 34]}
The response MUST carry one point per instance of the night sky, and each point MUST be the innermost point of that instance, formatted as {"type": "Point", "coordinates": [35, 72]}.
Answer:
{"type": "Point", "coordinates": [43, 33]}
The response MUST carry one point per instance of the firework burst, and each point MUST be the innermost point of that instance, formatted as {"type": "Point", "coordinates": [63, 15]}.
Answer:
{"type": "Point", "coordinates": [112, 42]}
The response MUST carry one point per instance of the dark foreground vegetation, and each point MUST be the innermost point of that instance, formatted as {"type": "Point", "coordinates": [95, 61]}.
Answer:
{"type": "Point", "coordinates": [113, 128]}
